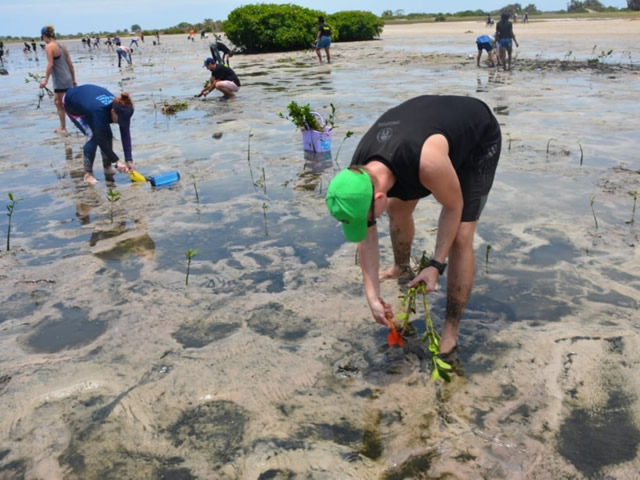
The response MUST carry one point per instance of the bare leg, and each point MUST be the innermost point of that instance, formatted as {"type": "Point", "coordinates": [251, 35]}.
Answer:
{"type": "Point", "coordinates": [503, 58]}
{"type": "Point", "coordinates": [459, 283]}
{"type": "Point", "coordinates": [61, 113]}
{"type": "Point", "coordinates": [478, 59]}
{"type": "Point", "coordinates": [509, 58]}
{"type": "Point", "coordinates": [319, 55]}
{"type": "Point", "coordinates": [402, 230]}
{"type": "Point", "coordinates": [328, 55]}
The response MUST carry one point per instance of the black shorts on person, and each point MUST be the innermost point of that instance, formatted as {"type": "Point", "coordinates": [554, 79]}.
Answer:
{"type": "Point", "coordinates": [476, 177]}
{"type": "Point", "coordinates": [60, 90]}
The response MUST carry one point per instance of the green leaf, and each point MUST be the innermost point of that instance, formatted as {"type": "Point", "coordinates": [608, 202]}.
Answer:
{"type": "Point", "coordinates": [442, 364]}
{"type": "Point", "coordinates": [435, 374]}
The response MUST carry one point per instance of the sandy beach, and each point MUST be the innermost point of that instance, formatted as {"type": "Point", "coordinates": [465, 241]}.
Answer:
{"type": "Point", "coordinates": [268, 364]}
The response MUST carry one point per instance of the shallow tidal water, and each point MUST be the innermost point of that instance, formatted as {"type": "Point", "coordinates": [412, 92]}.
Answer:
{"type": "Point", "coordinates": [268, 365]}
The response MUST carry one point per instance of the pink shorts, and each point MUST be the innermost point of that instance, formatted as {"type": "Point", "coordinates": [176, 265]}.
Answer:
{"type": "Point", "coordinates": [228, 84]}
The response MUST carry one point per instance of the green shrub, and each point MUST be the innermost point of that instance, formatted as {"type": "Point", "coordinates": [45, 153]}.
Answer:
{"type": "Point", "coordinates": [354, 25]}
{"type": "Point", "coordinates": [269, 27]}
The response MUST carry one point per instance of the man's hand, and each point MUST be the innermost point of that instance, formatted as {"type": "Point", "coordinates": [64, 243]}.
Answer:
{"type": "Point", "coordinates": [429, 276]}
{"type": "Point", "coordinates": [381, 311]}
{"type": "Point", "coordinates": [43, 84]}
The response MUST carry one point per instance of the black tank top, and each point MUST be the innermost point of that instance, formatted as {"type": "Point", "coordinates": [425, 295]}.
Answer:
{"type": "Point", "coordinates": [397, 137]}
{"type": "Point", "coordinates": [504, 29]}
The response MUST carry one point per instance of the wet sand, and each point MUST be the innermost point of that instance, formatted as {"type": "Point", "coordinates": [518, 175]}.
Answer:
{"type": "Point", "coordinates": [268, 366]}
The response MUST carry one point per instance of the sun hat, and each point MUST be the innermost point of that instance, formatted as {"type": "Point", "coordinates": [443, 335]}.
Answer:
{"type": "Point", "coordinates": [349, 198]}
{"type": "Point", "coordinates": [208, 61]}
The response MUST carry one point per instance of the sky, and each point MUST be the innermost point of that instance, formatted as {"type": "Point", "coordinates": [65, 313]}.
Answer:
{"type": "Point", "coordinates": [27, 17]}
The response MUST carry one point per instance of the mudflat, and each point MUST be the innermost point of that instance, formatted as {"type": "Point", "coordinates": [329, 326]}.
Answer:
{"type": "Point", "coordinates": [268, 364]}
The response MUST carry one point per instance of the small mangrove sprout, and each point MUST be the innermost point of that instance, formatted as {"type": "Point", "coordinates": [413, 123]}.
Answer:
{"type": "Point", "coordinates": [592, 200]}
{"type": "Point", "coordinates": [195, 188]}
{"type": "Point", "coordinates": [264, 214]}
{"type": "Point", "coordinates": [486, 260]}
{"type": "Point", "coordinates": [261, 182]}
{"type": "Point", "coordinates": [634, 194]}
{"type": "Point", "coordinates": [347, 135]}
{"type": "Point", "coordinates": [581, 153]}
{"type": "Point", "coordinates": [549, 143]}
{"type": "Point", "coordinates": [113, 197]}
{"type": "Point", "coordinates": [189, 254]}
{"type": "Point", "coordinates": [13, 201]}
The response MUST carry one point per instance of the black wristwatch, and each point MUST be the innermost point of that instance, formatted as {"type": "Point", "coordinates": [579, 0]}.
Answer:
{"type": "Point", "coordinates": [438, 266]}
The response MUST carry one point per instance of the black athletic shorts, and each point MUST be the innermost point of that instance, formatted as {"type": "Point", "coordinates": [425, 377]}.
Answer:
{"type": "Point", "coordinates": [476, 176]}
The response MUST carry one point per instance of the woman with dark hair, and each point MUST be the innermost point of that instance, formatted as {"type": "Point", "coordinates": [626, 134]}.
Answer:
{"type": "Point", "coordinates": [505, 38]}
{"type": "Point", "coordinates": [93, 109]}
{"type": "Point", "coordinates": [60, 67]}
{"type": "Point", "coordinates": [323, 39]}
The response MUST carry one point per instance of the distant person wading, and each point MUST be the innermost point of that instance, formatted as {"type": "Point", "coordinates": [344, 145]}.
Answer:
{"type": "Point", "coordinates": [60, 68]}
{"type": "Point", "coordinates": [323, 39]}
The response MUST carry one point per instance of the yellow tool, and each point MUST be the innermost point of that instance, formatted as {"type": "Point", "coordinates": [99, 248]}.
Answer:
{"type": "Point", "coordinates": [136, 177]}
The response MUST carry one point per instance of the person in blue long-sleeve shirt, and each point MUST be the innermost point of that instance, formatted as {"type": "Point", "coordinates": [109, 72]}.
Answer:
{"type": "Point", "coordinates": [93, 109]}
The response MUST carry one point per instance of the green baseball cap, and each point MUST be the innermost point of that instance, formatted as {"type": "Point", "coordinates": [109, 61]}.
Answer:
{"type": "Point", "coordinates": [349, 199]}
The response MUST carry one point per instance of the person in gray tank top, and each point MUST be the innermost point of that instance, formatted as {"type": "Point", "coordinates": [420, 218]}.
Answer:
{"type": "Point", "coordinates": [60, 68]}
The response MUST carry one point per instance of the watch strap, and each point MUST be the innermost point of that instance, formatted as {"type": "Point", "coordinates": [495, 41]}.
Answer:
{"type": "Point", "coordinates": [437, 265]}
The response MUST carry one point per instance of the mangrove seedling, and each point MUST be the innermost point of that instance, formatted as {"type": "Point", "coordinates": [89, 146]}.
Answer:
{"type": "Point", "coordinates": [195, 188]}
{"type": "Point", "coordinates": [13, 201]}
{"type": "Point", "coordinates": [189, 254]}
{"type": "Point", "coordinates": [548, 143]}
{"type": "Point", "coordinates": [347, 135]}
{"type": "Point", "coordinates": [581, 153]}
{"type": "Point", "coordinates": [261, 182]}
{"type": "Point", "coordinates": [592, 200]}
{"type": "Point", "coordinates": [113, 197]}
{"type": "Point", "coordinates": [34, 77]}
{"type": "Point", "coordinates": [301, 116]}
{"type": "Point", "coordinates": [440, 368]}
{"type": "Point", "coordinates": [331, 121]}
{"type": "Point", "coordinates": [264, 214]}
{"type": "Point", "coordinates": [486, 260]}
{"type": "Point", "coordinates": [634, 194]}
{"type": "Point", "coordinates": [249, 147]}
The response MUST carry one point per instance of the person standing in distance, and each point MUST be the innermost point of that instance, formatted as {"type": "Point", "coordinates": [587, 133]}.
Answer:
{"type": "Point", "coordinates": [60, 68]}
{"type": "Point", "coordinates": [323, 39]}
{"type": "Point", "coordinates": [447, 146]}
{"type": "Point", "coordinates": [505, 38]}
